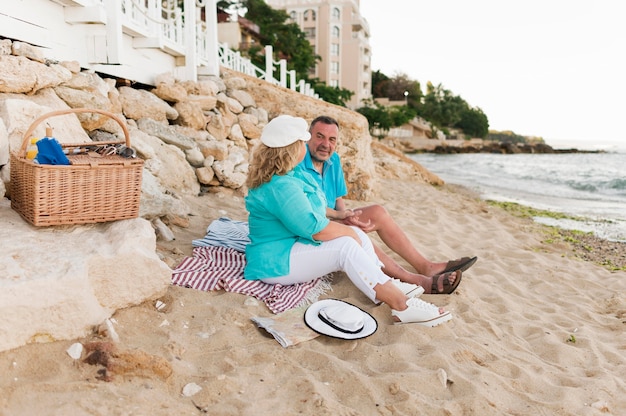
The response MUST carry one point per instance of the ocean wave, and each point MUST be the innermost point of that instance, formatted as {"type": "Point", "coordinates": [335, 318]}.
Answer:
{"type": "Point", "coordinates": [582, 184]}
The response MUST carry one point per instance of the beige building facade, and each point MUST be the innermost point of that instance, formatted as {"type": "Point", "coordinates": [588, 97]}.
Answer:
{"type": "Point", "coordinates": [340, 36]}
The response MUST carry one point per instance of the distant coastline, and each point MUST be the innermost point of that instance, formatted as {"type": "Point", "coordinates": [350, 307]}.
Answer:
{"type": "Point", "coordinates": [505, 148]}
{"type": "Point", "coordinates": [412, 146]}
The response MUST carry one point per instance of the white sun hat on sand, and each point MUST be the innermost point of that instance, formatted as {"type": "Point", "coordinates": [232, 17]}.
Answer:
{"type": "Point", "coordinates": [338, 319]}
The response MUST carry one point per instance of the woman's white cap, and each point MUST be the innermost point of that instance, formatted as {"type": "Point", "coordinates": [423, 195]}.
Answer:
{"type": "Point", "coordinates": [285, 130]}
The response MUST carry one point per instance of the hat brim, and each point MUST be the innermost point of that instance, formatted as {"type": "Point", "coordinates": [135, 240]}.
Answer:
{"type": "Point", "coordinates": [313, 321]}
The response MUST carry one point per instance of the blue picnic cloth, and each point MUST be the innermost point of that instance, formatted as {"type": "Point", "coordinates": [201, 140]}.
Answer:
{"type": "Point", "coordinates": [50, 152]}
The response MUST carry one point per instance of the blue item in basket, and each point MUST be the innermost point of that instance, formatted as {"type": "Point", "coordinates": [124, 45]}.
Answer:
{"type": "Point", "coordinates": [50, 152]}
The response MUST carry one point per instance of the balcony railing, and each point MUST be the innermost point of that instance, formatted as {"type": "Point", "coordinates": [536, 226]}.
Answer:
{"type": "Point", "coordinates": [162, 24]}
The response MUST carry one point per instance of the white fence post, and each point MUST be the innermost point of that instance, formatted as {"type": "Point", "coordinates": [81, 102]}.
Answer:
{"type": "Point", "coordinates": [269, 63]}
{"type": "Point", "coordinates": [292, 79]}
{"type": "Point", "coordinates": [191, 52]}
{"type": "Point", "coordinates": [283, 72]}
{"type": "Point", "coordinates": [113, 32]}
{"type": "Point", "coordinates": [210, 10]}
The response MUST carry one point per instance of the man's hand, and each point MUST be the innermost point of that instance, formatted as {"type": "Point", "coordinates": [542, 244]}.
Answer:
{"type": "Point", "coordinates": [351, 217]}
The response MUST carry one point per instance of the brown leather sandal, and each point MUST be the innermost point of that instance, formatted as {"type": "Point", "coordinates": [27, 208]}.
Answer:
{"type": "Point", "coordinates": [461, 264]}
{"type": "Point", "coordinates": [448, 287]}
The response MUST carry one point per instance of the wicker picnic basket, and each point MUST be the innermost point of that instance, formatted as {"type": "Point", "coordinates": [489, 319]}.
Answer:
{"type": "Point", "coordinates": [93, 188]}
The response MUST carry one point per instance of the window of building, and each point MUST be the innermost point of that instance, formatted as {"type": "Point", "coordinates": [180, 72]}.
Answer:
{"type": "Point", "coordinates": [309, 15]}
{"type": "Point", "coordinates": [335, 32]}
{"type": "Point", "coordinates": [334, 49]}
{"type": "Point", "coordinates": [309, 32]}
{"type": "Point", "coordinates": [334, 67]}
{"type": "Point", "coordinates": [336, 13]}
{"type": "Point", "coordinates": [293, 15]}
{"type": "Point", "coordinates": [334, 83]}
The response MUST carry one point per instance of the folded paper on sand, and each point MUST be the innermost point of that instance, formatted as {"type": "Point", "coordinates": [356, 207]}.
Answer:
{"type": "Point", "coordinates": [288, 328]}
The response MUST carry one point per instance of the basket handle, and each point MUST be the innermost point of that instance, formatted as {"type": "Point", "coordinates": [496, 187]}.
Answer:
{"type": "Point", "coordinates": [38, 121]}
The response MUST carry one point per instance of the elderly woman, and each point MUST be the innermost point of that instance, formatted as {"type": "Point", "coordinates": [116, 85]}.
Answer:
{"type": "Point", "coordinates": [292, 241]}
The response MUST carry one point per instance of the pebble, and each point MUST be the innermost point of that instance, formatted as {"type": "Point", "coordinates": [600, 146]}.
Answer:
{"type": "Point", "coordinates": [75, 350]}
{"type": "Point", "coordinates": [190, 389]}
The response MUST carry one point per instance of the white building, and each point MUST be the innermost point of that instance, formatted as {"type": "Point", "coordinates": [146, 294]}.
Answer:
{"type": "Point", "coordinates": [340, 36]}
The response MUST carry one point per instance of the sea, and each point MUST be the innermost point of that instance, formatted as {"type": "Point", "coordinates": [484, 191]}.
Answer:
{"type": "Point", "coordinates": [588, 186]}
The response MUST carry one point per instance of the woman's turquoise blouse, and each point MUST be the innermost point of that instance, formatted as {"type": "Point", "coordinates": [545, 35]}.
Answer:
{"type": "Point", "coordinates": [286, 209]}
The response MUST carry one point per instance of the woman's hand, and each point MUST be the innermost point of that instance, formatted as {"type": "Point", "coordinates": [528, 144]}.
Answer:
{"type": "Point", "coordinates": [336, 229]}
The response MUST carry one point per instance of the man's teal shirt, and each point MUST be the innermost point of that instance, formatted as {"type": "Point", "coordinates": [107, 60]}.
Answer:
{"type": "Point", "coordinates": [331, 180]}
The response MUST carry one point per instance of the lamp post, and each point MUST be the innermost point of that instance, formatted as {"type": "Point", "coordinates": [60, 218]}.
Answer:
{"type": "Point", "coordinates": [406, 98]}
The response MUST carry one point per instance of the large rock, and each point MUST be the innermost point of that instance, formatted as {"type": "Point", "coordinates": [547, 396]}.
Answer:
{"type": "Point", "coordinates": [58, 282]}
{"type": "Point", "coordinates": [156, 201]}
{"type": "Point", "coordinates": [169, 164]}
{"type": "Point", "coordinates": [138, 104]}
{"type": "Point", "coordinates": [19, 113]}
{"type": "Point", "coordinates": [19, 74]}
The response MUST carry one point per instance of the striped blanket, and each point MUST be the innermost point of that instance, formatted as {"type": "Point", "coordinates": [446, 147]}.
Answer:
{"type": "Point", "coordinates": [215, 268]}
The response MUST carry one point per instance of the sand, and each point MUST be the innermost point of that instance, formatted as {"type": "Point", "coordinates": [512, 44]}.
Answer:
{"type": "Point", "coordinates": [535, 331]}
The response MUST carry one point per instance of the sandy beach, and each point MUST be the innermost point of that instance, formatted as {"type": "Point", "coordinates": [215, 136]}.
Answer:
{"type": "Point", "coordinates": [536, 330]}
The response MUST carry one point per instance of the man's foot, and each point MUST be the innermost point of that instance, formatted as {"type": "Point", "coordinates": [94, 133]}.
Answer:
{"type": "Point", "coordinates": [445, 283]}
{"type": "Point", "coordinates": [461, 264]}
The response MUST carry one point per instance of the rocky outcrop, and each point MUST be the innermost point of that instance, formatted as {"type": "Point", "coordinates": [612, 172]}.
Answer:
{"type": "Point", "coordinates": [58, 282]}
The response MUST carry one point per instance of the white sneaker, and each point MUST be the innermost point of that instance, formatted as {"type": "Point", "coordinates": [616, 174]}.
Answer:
{"type": "Point", "coordinates": [422, 313]}
{"type": "Point", "coordinates": [409, 289]}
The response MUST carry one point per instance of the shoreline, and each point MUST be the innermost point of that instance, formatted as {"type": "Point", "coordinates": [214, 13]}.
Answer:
{"type": "Point", "coordinates": [556, 188]}
{"type": "Point", "coordinates": [584, 245]}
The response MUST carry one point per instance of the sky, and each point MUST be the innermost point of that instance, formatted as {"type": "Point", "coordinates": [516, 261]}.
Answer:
{"type": "Point", "coordinates": [549, 68]}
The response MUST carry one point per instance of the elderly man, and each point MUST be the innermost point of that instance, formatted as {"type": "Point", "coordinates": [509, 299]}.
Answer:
{"type": "Point", "coordinates": [324, 165]}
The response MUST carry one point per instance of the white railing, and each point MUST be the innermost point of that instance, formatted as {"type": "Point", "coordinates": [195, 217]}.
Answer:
{"type": "Point", "coordinates": [287, 79]}
{"type": "Point", "coordinates": [163, 22]}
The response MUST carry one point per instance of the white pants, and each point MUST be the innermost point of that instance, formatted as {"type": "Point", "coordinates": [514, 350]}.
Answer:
{"type": "Point", "coordinates": [308, 262]}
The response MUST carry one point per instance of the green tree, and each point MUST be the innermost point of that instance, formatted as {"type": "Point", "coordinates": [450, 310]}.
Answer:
{"type": "Point", "coordinates": [287, 40]}
{"type": "Point", "coordinates": [397, 88]}
{"type": "Point", "coordinates": [333, 95]}
{"type": "Point", "coordinates": [401, 87]}
{"type": "Point", "coordinates": [381, 119]}
{"type": "Point", "coordinates": [440, 106]}
{"type": "Point", "coordinates": [474, 123]}
{"type": "Point", "coordinates": [379, 84]}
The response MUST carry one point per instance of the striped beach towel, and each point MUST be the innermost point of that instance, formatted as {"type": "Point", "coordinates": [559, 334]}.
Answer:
{"type": "Point", "coordinates": [216, 268]}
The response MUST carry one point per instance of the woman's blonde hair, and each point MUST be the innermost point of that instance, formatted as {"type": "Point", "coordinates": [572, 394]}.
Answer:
{"type": "Point", "coordinates": [268, 161]}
